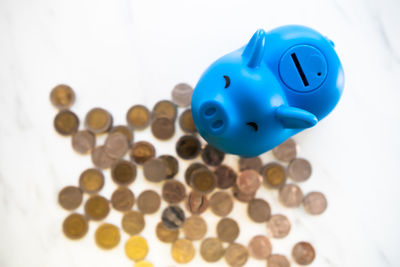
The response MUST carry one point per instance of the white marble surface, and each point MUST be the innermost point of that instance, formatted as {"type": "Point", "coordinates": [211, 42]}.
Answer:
{"type": "Point", "coordinates": [121, 52]}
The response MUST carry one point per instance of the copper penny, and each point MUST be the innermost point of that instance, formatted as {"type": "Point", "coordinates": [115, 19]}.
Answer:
{"type": "Point", "coordinates": [75, 226]}
{"type": "Point", "coordinates": [165, 108]}
{"type": "Point", "coordinates": [122, 199]}
{"type": "Point", "coordinates": [277, 260]}
{"type": "Point", "coordinates": [142, 151]}
{"type": "Point", "coordinates": [196, 202]}
{"type": "Point", "coordinates": [315, 203]}
{"type": "Point", "coordinates": [116, 145]}
{"type": "Point", "coordinates": [236, 255]}
{"type": "Point", "coordinates": [194, 228]}
{"type": "Point", "coordinates": [290, 195]}
{"type": "Point", "coordinates": [166, 235]}
{"type": "Point", "coordinates": [163, 128]}
{"type": "Point", "coordinates": [303, 253]}
{"type": "Point", "coordinates": [299, 170]}
{"type": "Point", "coordinates": [226, 176]}
{"type": "Point", "coordinates": [98, 120]}
{"type": "Point", "coordinates": [70, 197]}
{"type": "Point", "coordinates": [278, 226]}
{"type": "Point", "coordinates": [83, 141]}
{"type": "Point", "coordinates": [242, 197]}
{"type": "Point", "coordinates": [274, 175]}
{"type": "Point", "coordinates": [188, 147]}
{"type": "Point", "coordinates": [211, 249]}
{"type": "Point", "coordinates": [138, 117]}
{"type": "Point", "coordinates": [91, 180]}
{"type": "Point", "coordinates": [148, 202]}
{"type": "Point", "coordinates": [125, 131]}
{"type": "Point", "coordinates": [66, 123]}
{"type": "Point", "coordinates": [250, 163]}
{"type": "Point", "coordinates": [155, 170]}
{"type": "Point", "coordinates": [123, 172]}
{"type": "Point", "coordinates": [203, 180]}
{"type": "Point", "coordinates": [186, 122]}
{"type": "Point", "coordinates": [133, 222]}
{"type": "Point", "coordinates": [100, 158]}
{"type": "Point", "coordinates": [62, 96]}
{"type": "Point", "coordinates": [259, 210]}
{"type": "Point", "coordinates": [182, 94]}
{"type": "Point", "coordinates": [192, 167]}
{"type": "Point", "coordinates": [97, 208]}
{"type": "Point", "coordinates": [248, 181]}
{"type": "Point", "coordinates": [285, 151]}
{"type": "Point", "coordinates": [212, 156]}
{"type": "Point", "coordinates": [172, 165]}
{"type": "Point", "coordinates": [260, 247]}
{"type": "Point", "coordinates": [173, 191]}
{"type": "Point", "coordinates": [227, 230]}
{"type": "Point", "coordinates": [173, 217]}
{"type": "Point", "coordinates": [221, 203]}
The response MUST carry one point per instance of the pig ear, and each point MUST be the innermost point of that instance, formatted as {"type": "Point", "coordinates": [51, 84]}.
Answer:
{"type": "Point", "coordinates": [295, 118]}
{"type": "Point", "coordinates": [254, 50]}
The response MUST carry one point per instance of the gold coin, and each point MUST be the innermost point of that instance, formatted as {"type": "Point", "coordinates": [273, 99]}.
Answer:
{"type": "Point", "coordinates": [133, 222]}
{"type": "Point", "coordinates": [107, 236]}
{"type": "Point", "coordinates": [142, 151]}
{"type": "Point", "coordinates": [75, 226]}
{"type": "Point", "coordinates": [166, 235]}
{"type": "Point", "coordinates": [138, 117]}
{"type": "Point", "coordinates": [98, 120]}
{"type": "Point", "coordinates": [236, 255]}
{"type": "Point", "coordinates": [182, 251]}
{"type": "Point", "coordinates": [62, 96]}
{"type": "Point", "coordinates": [136, 248]}
{"type": "Point", "coordinates": [143, 264]}
{"type": "Point", "coordinates": [91, 181]}
{"type": "Point", "coordinates": [123, 172]}
{"type": "Point", "coordinates": [203, 180]}
{"type": "Point", "coordinates": [186, 122]}
{"type": "Point", "coordinates": [274, 175]}
{"type": "Point", "coordinates": [227, 230]}
{"type": "Point", "coordinates": [66, 123]}
{"type": "Point", "coordinates": [97, 208]}
{"type": "Point", "coordinates": [195, 227]}
{"type": "Point", "coordinates": [211, 249]}
{"type": "Point", "coordinates": [165, 108]}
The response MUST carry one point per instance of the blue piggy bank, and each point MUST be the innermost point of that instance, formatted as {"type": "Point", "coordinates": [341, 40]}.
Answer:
{"type": "Point", "coordinates": [280, 83]}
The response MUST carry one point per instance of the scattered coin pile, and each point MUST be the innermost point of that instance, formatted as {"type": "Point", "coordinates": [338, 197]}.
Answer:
{"type": "Point", "coordinates": [207, 184]}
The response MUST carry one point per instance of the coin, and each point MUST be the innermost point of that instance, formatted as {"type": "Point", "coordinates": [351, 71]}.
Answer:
{"type": "Point", "coordinates": [221, 203]}
{"type": "Point", "coordinates": [165, 108]}
{"type": "Point", "coordinates": [290, 195]}
{"type": "Point", "coordinates": [242, 197]}
{"type": "Point", "coordinates": [203, 180]}
{"type": "Point", "coordinates": [186, 122]}
{"type": "Point", "coordinates": [172, 165]}
{"type": "Point", "coordinates": [91, 180]}
{"type": "Point", "coordinates": [277, 260]}
{"type": "Point", "coordinates": [138, 117]}
{"type": "Point", "coordinates": [196, 202]}
{"type": "Point", "coordinates": [250, 163]}
{"type": "Point", "coordinates": [148, 202]}
{"type": "Point", "coordinates": [278, 226]}
{"type": "Point", "coordinates": [226, 176]}
{"type": "Point", "coordinates": [66, 122]}
{"type": "Point", "coordinates": [107, 236]}
{"type": "Point", "coordinates": [166, 235]}
{"type": "Point", "coordinates": [260, 247]}
{"type": "Point", "coordinates": [83, 141]}
{"type": "Point", "coordinates": [227, 230]}
{"type": "Point", "coordinates": [75, 226]}
{"type": "Point", "coordinates": [182, 94]}
{"type": "Point", "coordinates": [212, 156]}
{"type": "Point", "coordinates": [285, 151]}
{"type": "Point", "coordinates": [299, 170]}
{"type": "Point", "coordinates": [98, 120]}
{"type": "Point", "coordinates": [182, 251]}
{"type": "Point", "coordinates": [142, 151]}
{"type": "Point", "coordinates": [303, 253]}
{"type": "Point", "coordinates": [70, 197]}
{"type": "Point", "coordinates": [125, 131]}
{"type": "Point", "coordinates": [143, 264]}
{"type": "Point", "coordinates": [155, 170]}
{"type": "Point", "coordinates": [122, 199]}
{"type": "Point", "coordinates": [100, 158]}
{"type": "Point", "coordinates": [173, 217]}
{"type": "Point", "coordinates": [123, 172]}
{"type": "Point", "coordinates": [211, 249]}
{"type": "Point", "coordinates": [62, 96]}
{"type": "Point", "coordinates": [236, 255]}
{"type": "Point", "coordinates": [248, 181]}
{"type": "Point", "coordinates": [136, 248]}
{"type": "Point", "coordinates": [116, 145]}
{"type": "Point", "coordinates": [133, 222]}
{"type": "Point", "coordinates": [194, 228]}
{"type": "Point", "coordinates": [163, 128]}
{"type": "Point", "coordinates": [192, 167]}
{"type": "Point", "coordinates": [274, 175]}
{"type": "Point", "coordinates": [259, 210]}
{"type": "Point", "coordinates": [315, 203]}
{"type": "Point", "coordinates": [173, 191]}
{"type": "Point", "coordinates": [188, 147]}
{"type": "Point", "coordinates": [97, 208]}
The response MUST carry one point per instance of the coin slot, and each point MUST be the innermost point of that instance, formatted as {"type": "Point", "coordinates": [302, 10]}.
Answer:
{"type": "Point", "coordinates": [299, 69]}
{"type": "Point", "coordinates": [217, 124]}
{"type": "Point", "coordinates": [210, 111]}
{"type": "Point", "coordinates": [253, 124]}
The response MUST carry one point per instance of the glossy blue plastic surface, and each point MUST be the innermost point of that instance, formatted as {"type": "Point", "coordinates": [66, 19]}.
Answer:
{"type": "Point", "coordinates": [280, 83]}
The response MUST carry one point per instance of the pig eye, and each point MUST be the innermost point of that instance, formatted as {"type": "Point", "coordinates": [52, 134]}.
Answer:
{"type": "Point", "coordinates": [227, 81]}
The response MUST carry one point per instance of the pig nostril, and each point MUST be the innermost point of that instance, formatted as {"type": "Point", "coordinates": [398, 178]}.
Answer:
{"type": "Point", "coordinates": [217, 124]}
{"type": "Point", "coordinates": [210, 111]}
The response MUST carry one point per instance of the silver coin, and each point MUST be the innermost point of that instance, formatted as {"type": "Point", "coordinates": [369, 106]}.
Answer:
{"type": "Point", "coordinates": [299, 170]}
{"type": "Point", "coordinates": [182, 94]}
